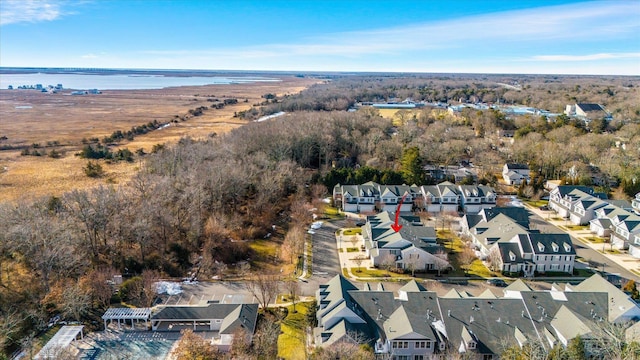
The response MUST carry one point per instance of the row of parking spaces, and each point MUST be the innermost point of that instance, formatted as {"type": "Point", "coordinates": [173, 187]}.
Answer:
{"type": "Point", "coordinates": [203, 299]}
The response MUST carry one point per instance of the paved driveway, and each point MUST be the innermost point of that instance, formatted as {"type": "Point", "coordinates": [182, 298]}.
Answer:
{"type": "Point", "coordinates": [326, 263]}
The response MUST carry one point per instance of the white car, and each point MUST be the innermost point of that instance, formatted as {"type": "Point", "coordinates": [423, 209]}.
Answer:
{"type": "Point", "coordinates": [316, 225]}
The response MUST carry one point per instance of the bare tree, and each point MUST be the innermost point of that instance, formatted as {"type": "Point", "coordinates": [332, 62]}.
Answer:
{"type": "Point", "coordinates": [97, 284]}
{"type": "Point", "coordinates": [194, 347]}
{"type": "Point", "coordinates": [349, 348]}
{"type": "Point", "coordinates": [265, 340]}
{"type": "Point", "coordinates": [411, 263]}
{"type": "Point", "coordinates": [466, 258]}
{"type": "Point", "coordinates": [441, 261]}
{"type": "Point", "coordinates": [264, 288]}
{"type": "Point", "coordinates": [359, 260]}
{"type": "Point", "coordinates": [388, 262]}
{"type": "Point", "coordinates": [293, 290]}
{"type": "Point", "coordinates": [75, 301]}
{"type": "Point", "coordinates": [495, 259]}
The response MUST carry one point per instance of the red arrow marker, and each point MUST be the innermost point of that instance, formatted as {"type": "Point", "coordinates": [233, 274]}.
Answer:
{"type": "Point", "coordinates": [395, 226]}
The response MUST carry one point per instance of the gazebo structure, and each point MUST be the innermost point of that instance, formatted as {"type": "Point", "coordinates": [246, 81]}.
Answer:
{"type": "Point", "coordinates": [124, 314]}
{"type": "Point", "coordinates": [60, 341]}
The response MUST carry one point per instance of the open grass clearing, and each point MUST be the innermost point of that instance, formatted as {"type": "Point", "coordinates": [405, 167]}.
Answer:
{"type": "Point", "coordinates": [67, 120]}
{"type": "Point", "coordinates": [292, 339]}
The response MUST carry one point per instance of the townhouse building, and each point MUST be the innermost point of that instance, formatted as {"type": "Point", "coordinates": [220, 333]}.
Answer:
{"type": "Point", "coordinates": [444, 197]}
{"type": "Point", "coordinates": [413, 247]}
{"type": "Point", "coordinates": [418, 324]}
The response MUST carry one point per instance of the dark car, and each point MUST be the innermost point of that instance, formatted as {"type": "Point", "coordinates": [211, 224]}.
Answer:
{"type": "Point", "coordinates": [360, 223]}
{"type": "Point", "coordinates": [544, 208]}
{"type": "Point", "coordinates": [497, 282]}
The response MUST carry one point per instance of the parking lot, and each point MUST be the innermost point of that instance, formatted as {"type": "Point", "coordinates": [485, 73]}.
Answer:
{"type": "Point", "coordinates": [200, 293]}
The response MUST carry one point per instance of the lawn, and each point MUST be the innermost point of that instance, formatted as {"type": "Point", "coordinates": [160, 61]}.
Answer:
{"type": "Point", "coordinates": [577, 227]}
{"type": "Point", "coordinates": [536, 203]}
{"type": "Point", "coordinates": [476, 269]}
{"type": "Point", "coordinates": [582, 272]}
{"type": "Point", "coordinates": [352, 231]}
{"type": "Point", "coordinates": [595, 239]}
{"type": "Point", "coordinates": [291, 342]}
{"type": "Point", "coordinates": [352, 249]}
{"type": "Point", "coordinates": [364, 272]}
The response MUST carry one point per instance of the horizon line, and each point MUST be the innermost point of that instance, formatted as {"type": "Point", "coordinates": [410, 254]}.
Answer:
{"type": "Point", "coordinates": [345, 72]}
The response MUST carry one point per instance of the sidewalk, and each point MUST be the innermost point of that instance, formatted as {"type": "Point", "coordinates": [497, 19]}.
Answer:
{"type": "Point", "coordinates": [623, 260]}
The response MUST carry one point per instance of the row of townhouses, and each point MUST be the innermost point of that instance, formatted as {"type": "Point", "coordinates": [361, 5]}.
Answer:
{"type": "Point", "coordinates": [617, 220]}
{"type": "Point", "coordinates": [444, 197]}
{"type": "Point", "coordinates": [413, 247]}
{"type": "Point", "coordinates": [503, 237]}
{"type": "Point", "coordinates": [418, 324]}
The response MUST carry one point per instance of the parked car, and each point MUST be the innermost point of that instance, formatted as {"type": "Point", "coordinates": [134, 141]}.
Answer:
{"type": "Point", "coordinates": [360, 223]}
{"type": "Point", "coordinates": [544, 208]}
{"type": "Point", "coordinates": [497, 282]}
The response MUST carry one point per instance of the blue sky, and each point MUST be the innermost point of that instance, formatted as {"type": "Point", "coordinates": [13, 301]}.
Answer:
{"type": "Point", "coordinates": [501, 36]}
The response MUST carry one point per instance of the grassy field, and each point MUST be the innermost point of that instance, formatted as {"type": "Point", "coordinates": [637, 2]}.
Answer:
{"type": "Point", "coordinates": [397, 115]}
{"type": "Point", "coordinates": [65, 120]}
{"type": "Point", "coordinates": [291, 342]}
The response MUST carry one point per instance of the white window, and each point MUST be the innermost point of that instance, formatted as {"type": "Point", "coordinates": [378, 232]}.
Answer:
{"type": "Point", "coordinates": [555, 247]}
{"type": "Point", "coordinates": [472, 344]}
{"type": "Point", "coordinates": [421, 345]}
{"type": "Point", "coordinates": [567, 247]}
{"type": "Point", "coordinates": [540, 247]}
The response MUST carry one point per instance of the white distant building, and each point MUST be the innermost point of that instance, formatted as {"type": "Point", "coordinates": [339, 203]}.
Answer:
{"type": "Point", "coordinates": [515, 174]}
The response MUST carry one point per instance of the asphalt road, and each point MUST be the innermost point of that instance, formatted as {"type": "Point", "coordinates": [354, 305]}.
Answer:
{"type": "Point", "coordinates": [591, 256]}
{"type": "Point", "coordinates": [326, 263]}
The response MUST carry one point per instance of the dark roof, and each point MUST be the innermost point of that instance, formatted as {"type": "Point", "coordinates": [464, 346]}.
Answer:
{"type": "Point", "coordinates": [506, 248]}
{"type": "Point", "coordinates": [590, 107]}
{"type": "Point", "coordinates": [565, 189]}
{"type": "Point", "coordinates": [562, 241]}
{"type": "Point", "coordinates": [211, 311]}
{"type": "Point", "coordinates": [491, 321]}
{"type": "Point", "coordinates": [517, 166]}
{"type": "Point", "coordinates": [519, 215]}
{"type": "Point", "coordinates": [543, 306]}
{"type": "Point", "coordinates": [244, 315]}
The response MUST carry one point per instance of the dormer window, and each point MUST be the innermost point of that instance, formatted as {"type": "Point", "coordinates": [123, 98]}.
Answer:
{"type": "Point", "coordinates": [567, 247]}
{"type": "Point", "coordinates": [555, 247]}
{"type": "Point", "coordinates": [512, 256]}
{"type": "Point", "coordinates": [541, 247]}
{"type": "Point", "coordinates": [472, 344]}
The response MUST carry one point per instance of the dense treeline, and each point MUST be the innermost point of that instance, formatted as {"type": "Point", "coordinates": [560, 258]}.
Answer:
{"type": "Point", "coordinates": [618, 94]}
{"type": "Point", "coordinates": [195, 203]}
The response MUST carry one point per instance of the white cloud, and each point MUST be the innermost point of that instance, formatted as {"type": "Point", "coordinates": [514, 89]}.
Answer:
{"type": "Point", "coordinates": [589, 23]}
{"type": "Point", "coordinates": [588, 57]}
{"type": "Point", "coordinates": [17, 11]}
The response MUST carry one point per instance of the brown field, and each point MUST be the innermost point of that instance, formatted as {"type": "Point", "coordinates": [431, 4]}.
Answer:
{"type": "Point", "coordinates": [68, 119]}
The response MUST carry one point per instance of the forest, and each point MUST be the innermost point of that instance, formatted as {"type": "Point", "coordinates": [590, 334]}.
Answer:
{"type": "Point", "coordinates": [201, 204]}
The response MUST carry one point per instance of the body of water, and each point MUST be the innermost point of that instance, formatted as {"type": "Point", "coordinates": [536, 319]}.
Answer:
{"type": "Point", "coordinates": [119, 81]}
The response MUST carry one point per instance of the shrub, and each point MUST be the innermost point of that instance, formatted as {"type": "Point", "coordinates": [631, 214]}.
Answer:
{"type": "Point", "coordinates": [93, 170]}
